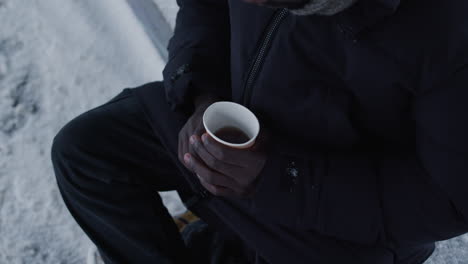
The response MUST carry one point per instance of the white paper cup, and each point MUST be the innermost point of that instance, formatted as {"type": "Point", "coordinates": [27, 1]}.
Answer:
{"type": "Point", "coordinates": [225, 113]}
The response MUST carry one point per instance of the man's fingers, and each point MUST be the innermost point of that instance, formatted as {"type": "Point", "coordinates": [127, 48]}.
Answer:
{"type": "Point", "coordinates": [199, 130]}
{"type": "Point", "coordinates": [182, 149]}
{"type": "Point", "coordinates": [191, 148]}
{"type": "Point", "coordinates": [208, 175]}
{"type": "Point", "coordinates": [217, 190]}
{"type": "Point", "coordinates": [236, 157]}
{"type": "Point", "coordinates": [212, 162]}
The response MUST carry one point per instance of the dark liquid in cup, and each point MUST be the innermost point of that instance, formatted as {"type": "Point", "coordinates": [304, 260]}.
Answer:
{"type": "Point", "coordinates": [232, 135]}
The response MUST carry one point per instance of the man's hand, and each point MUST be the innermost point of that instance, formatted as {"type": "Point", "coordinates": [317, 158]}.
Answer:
{"type": "Point", "coordinates": [194, 125]}
{"type": "Point", "coordinates": [226, 171]}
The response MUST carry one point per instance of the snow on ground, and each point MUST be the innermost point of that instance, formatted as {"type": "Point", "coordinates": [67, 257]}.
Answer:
{"type": "Point", "coordinates": [169, 10]}
{"type": "Point", "coordinates": [59, 58]}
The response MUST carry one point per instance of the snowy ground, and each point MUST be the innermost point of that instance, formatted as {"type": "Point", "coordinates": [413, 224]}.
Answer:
{"type": "Point", "coordinates": [59, 58]}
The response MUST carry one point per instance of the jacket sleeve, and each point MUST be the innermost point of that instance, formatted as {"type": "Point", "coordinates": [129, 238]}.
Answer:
{"type": "Point", "coordinates": [198, 53]}
{"type": "Point", "coordinates": [409, 197]}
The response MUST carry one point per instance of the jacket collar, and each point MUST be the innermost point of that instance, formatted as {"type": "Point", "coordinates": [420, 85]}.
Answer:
{"type": "Point", "coordinates": [366, 13]}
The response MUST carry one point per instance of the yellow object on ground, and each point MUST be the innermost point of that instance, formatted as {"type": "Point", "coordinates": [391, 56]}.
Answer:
{"type": "Point", "coordinates": [182, 220]}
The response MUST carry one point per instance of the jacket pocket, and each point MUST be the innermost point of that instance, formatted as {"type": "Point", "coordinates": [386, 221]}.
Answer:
{"type": "Point", "coordinates": [276, 198]}
{"type": "Point", "coordinates": [309, 195]}
{"type": "Point", "coordinates": [341, 199]}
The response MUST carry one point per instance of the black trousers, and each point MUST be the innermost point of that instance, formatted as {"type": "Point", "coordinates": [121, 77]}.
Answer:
{"type": "Point", "coordinates": [109, 166]}
{"type": "Point", "coordinates": [111, 161]}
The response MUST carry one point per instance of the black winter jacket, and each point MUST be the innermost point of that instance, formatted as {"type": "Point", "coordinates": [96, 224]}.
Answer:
{"type": "Point", "coordinates": [369, 110]}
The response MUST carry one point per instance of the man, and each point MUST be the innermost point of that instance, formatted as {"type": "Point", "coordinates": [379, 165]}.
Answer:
{"type": "Point", "coordinates": [362, 156]}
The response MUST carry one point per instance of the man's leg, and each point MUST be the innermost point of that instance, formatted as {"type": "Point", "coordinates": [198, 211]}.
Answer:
{"type": "Point", "coordinates": [109, 166]}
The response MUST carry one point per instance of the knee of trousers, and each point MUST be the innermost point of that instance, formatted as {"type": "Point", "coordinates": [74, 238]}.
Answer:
{"type": "Point", "coordinates": [67, 139]}
{"type": "Point", "coordinates": [71, 145]}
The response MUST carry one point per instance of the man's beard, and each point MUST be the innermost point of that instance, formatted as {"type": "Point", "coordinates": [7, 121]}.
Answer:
{"type": "Point", "coordinates": [309, 7]}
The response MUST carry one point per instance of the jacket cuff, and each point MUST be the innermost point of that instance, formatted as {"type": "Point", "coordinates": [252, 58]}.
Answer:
{"type": "Point", "coordinates": [178, 77]}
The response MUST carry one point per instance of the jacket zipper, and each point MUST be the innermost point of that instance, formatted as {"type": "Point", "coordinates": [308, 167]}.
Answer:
{"type": "Point", "coordinates": [260, 56]}
{"type": "Point", "coordinates": [272, 27]}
